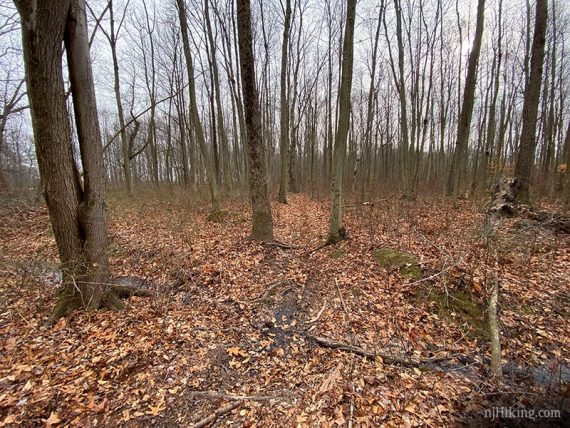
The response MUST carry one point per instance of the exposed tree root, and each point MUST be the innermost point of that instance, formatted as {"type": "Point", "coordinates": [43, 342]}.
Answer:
{"type": "Point", "coordinates": [70, 297]}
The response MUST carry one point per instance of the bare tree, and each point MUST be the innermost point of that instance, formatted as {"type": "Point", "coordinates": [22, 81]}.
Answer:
{"type": "Point", "coordinates": [262, 227]}
{"type": "Point", "coordinates": [76, 209]}
{"type": "Point", "coordinates": [336, 227]}
{"type": "Point", "coordinates": [525, 156]}
{"type": "Point", "coordinates": [284, 107]}
{"type": "Point", "coordinates": [464, 125]}
{"type": "Point", "coordinates": [194, 114]}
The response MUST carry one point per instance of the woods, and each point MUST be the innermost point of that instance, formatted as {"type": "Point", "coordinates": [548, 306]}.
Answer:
{"type": "Point", "coordinates": [317, 213]}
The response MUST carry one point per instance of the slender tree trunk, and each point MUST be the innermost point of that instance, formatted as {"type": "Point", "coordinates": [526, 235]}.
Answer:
{"type": "Point", "coordinates": [284, 108]}
{"type": "Point", "coordinates": [525, 156]}
{"type": "Point", "coordinates": [262, 227]}
{"type": "Point", "coordinates": [464, 125]}
{"type": "Point", "coordinates": [194, 114]}
{"type": "Point", "coordinates": [566, 190]}
{"type": "Point", "coordinates": [222, 134]}
{"type": "Point", "coordinates": [336, 227]}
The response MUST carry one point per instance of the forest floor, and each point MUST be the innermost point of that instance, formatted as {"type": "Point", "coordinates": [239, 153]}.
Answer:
{"type": "Point", "coordinates": [233, 326]}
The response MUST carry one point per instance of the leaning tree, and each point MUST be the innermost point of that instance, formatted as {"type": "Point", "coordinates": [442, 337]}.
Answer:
{"type": "Point", "coordinates": [76, 202]}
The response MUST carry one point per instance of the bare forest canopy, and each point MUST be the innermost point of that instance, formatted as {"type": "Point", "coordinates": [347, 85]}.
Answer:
{"type": "Point", "coordinates": [144, 108]}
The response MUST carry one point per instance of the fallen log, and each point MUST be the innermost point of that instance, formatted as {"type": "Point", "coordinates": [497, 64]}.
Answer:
{"type": "Point", "coordinates": [504, 202]}
{"type": "Point", "coordinates": [128, 286]}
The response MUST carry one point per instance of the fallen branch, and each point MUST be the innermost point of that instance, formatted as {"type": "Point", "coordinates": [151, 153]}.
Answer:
{"type": "Point", "coordinates": [211, 418]}
{"type": "Point", "coordinates": [269, 290]}
{"type": "Point", "coordinates": [386, 358]}
{"type": "Point", "coordinates": [280, 245]}
{"type": "Point", "coordinates": [318, 316]}
{"type": "Point", "coordinates": [234, 397]}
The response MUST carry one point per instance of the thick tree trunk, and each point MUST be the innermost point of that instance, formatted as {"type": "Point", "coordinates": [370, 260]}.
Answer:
{"type": "Point", "coordinates": [464, 126]}
{"type": "Point", "coordinates": [336, 228]}
{"type": "Point", "coordinates": [76, 213]}
{"type": "Point", "coordinates": [525, 156]}
{"type": "Point", "coordinates": [262, 220]}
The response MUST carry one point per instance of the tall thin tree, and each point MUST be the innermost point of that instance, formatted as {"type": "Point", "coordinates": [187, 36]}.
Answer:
{"type": "Point", "coordinates": [525, 155]}
{"type": "Point", "coordinates": [336, 227]}
{"type": "Point", "coordinates": [262, 224]}
{"type": "Point", "coordinates": [464, 126]}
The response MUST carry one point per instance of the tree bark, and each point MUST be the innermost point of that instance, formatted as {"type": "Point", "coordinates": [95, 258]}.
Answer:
{"type": "Point", "coordinates": [336, 228]}
{"type": "Point", "coordinates": [525, 155]}
{"type": "Point", "coordinates": [194, 114]}
{"type": "Point", "coordinates": [76, 213]}
{"type": "Point", "coordinates": [262, 227]}
{"type": "Point", "coordinates": [284, 108]}
{"type": "Point", "coordinates": [464, 126]}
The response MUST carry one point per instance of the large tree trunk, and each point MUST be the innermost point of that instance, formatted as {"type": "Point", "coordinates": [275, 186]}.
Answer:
{"type": "Point", "coordinates": [525, 156]}
{"type": "Point", "coordinates": [262, 219]}
{"type": "Point", "coordinates": [77, 214]}
{"type": "Point", "coordinates": [467, 107]}
{"type": "Point", "coordinates": [336, 228]}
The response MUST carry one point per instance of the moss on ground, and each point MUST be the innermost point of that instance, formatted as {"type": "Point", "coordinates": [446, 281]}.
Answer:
{"type": "Point", "coordinates": [406, 263]}
{"type": "Point", "coordinates": [460, 308]}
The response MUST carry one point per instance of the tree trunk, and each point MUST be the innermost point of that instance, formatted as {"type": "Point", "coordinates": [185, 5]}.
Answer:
{"type": "Point", "coordinates": [262, 229]}
{"type": "Point", "coordinates": [464, 125]}
{"type": "Point", "coordinates": [194, 114]}
{"type": "Point", "coordinates": [567, 172]}
{"type": "Point", "coordinates": [336, 228]}
{"type": "Point", "coordinates": [525, 156]}
{"type": "Point", "coordinates": [77, 214]}
{"type": "Point", "coordinates": [284, 108]}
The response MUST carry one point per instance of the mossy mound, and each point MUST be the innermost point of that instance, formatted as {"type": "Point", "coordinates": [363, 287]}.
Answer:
{"type": "Point", "coordinates": [461, 308]}
{"type": "Point", "coordinates": [406, 263]}
{"type": "Point", "coordinates": [218, 216]}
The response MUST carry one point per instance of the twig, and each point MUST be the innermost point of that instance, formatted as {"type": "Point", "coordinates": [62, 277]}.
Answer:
{"type": "Point", "coordinates": [318, 316]}
{"type": "Point", "coordinates": [211, 418]}
{"type": "Point", "coordinates": [269, 290]}
{"type": "Point", "coordinates": [281, 245]}
{"type": "Point", "coordinates": [234, 397]}
{"type": "Point", "coordinates": [341, 298]}
{"type": "Point", "coordinates": [320, 247]}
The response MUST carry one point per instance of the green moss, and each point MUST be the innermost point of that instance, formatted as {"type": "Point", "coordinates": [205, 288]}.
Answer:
{"type": "Point", "coordinates": [219, 216]}
{"type": "Point", "coordinates": [406, 263]}
{"type": "Point", "coordinates": [460, 308]}
{"type": "Point", "coordinates": [338, 253]}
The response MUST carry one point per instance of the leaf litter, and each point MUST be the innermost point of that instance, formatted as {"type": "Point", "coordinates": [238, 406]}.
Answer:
{"type": "Point", "coordinates": [212, 334]}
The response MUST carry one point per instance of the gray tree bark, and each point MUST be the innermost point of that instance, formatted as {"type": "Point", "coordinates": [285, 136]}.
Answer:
{"type": "Point", "coordinates": [262, 223]}
{"type": "Point", "coordinates": [336, 227]}
{"type": "Point", "coordinates": [525, 155]}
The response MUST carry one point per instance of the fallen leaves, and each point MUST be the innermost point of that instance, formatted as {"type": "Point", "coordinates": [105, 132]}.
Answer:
{"type": "Point", "coordinates": [205, 330]}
